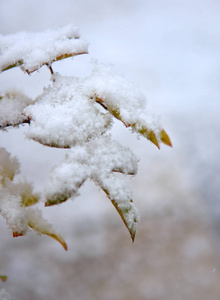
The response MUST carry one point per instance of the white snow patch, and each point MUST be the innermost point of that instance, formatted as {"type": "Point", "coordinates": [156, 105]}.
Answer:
{"type": "Point", "coordinates": [32, 50]}
{"type": "Point", "coordinates": [11, 108]}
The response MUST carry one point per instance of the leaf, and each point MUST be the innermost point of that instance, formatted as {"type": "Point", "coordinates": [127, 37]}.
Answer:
{"type": "Point", "coordinates": [138, 126]}
{"type": "Point", "coordinates": [57, 198]}
{"type": "Point", "coordinates": [28, 198]}
{"type": "Point", "coordinates": [60, 57]}
{"type": "Point", "coordinates": [127, 215]}
{"type": "Point", "coordinates": [20, 63]}
{"type": "Point", "coordinates": [147, 133]}
{"type": "Point", "coordinates": [165, 138]}
{"type": "Point", "coordinates": [100, 160]}
{"type": "Point", "coordinates": [12, 105]}
{"type": "Point", "coordinates": [40, 225]}
{"type": "Point", "coordinates": [60, 197]}
{"type": "Point", "coordinates": [10, 66]}
{"type": "Point", "coordinates": [16, 234]}
{"type": "Point", "coordinates": [32, 50]}
{"type": "Point", "coordinates": [3, 278]}
{"type": "Point", "coordinates": [58, 238]}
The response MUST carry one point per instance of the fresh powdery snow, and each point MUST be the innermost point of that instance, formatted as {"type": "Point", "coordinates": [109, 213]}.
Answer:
{"type": "Point", "coordinates": [12, 105]}
{"type": "Point", "coordinates": [15, 199]}
{"type": "Point", "coordinates": [10, 206]}
{"type": "Point", "coordinates": [32, 50]}
{"type": "Point", "coordinates": [73, 113]}
{"type": "Point", "coordinates": [67, 115]}
{"type": "Point", "coordinates": [64, 115]}
{"type": "Point", "coordinates": [99, 160]}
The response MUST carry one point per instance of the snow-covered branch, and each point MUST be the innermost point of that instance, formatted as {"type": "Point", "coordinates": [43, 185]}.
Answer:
{"type": "Point", "coordinates": [67, 115]}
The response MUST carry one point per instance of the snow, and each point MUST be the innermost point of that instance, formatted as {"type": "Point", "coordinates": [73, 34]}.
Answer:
{"type": "Point", "coordinates": [12, 211]}
{"type": "Point", "coordinates": [9, 166]}
{"type": "Point", "coordinates": [172, 50]}
{"type": "Point", "coordinates": [123, 98]}
{"type": "Point", "coordinates": [10, 200]}
{"type": "Point", "coordinates": [100, 160]}
{"type": "Point", "coordinates": [64, 115]}
{"type": "Point", "coordinates": [11, 108]}
{"type": "Point", "coordinates": [5, 295]}
{"type": "Point", "coordinates": [15, 199]}
{"type": "Point", "coordinates": [32, 50]}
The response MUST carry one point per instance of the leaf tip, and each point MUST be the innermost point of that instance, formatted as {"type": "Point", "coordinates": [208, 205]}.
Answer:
{"type": "Point", "coordinates": [133, 236]}
{"type": "Point", "coordinates": [165, 138]}
{"type": "Point", "coordinates": [59, 239]}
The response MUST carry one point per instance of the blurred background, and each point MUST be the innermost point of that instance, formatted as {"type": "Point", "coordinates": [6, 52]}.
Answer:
{"type": "Point", "coordinates": [171, 49]}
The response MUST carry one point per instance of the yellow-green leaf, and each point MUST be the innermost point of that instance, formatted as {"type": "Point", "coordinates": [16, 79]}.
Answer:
{"type": "Point", "coordinates": [57, 198]}
{"type": "Point", "coordinates": [148, 133]}
{"type": "Point", "coordinates": [165, 138]}
{"type": "Point", "coordinates": [60, 57]}
{"type": "Point", "coordinates": [28, 198]}
{"type": "Point", "coordinates": [3, 278]}
{"type": "Point", "coordinates": [58, 238]}
{"type": "Point", "coordinates": [122, 213]}
{"type": "Point", "coordinates": [40, 225]}
{"type": "Point", "coordinates": [130, 225]}
{"type": "Point", "coordinates": [143, 130]}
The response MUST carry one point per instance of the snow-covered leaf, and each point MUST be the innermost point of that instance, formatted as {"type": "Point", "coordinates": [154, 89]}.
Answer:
{"type": "Point", "coordinates": [40, 225]}
{"type": "Point", "coordinates": [15, 198]}
{"type": "Point", "coordinates": [125, 102]}
{"type": "Point", "coordinates": [11, 109]}
{"type": "Point", "coordinates": [31, 50]}
{"type": "Point", "coordinates": [99, 160]}
{"type": "Point", "coordinates": [12, 211]}
{"type": "Point", "coordinates": [9, 166]}
{"type": "Point", "coordinates": [64, 115]}
{"type": "Point", "coordinates": [25, 190]}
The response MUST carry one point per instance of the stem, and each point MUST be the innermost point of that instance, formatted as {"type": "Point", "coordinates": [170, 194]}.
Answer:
{"type": "Point", "coordinates": [50, 68]}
